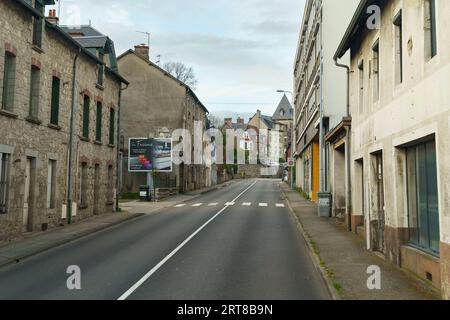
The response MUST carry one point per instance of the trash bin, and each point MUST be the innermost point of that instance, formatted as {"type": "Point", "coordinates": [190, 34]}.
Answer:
{"type": "Point", "coordinates": [324, 204]}
{"type": "Point", "coordinates": [144, 193]}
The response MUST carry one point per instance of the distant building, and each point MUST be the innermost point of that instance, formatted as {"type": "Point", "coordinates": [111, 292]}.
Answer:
{"type": "Point", "coordinates": [400, 108]}
{"type": "Point", "coordinates": [37, 63]}
{"type": "Point", "coordinates": [154, 105]}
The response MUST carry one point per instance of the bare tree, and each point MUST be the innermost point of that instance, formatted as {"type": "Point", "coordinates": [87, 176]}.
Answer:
{"type": "Point", "coordinates": [215, 121]}
{"type": "Point", "coordinates": [182, 72]}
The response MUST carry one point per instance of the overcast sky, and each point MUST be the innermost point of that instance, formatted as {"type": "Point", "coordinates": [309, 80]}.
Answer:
{"type": "Point", "coordinates": [242, 51]}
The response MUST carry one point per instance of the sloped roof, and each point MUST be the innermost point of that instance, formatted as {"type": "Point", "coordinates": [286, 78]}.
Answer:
{"type": "Point", "coordinates": [284, 110]}
{"type": "Point", "coordinates": [188, 88]}
{"type": "Point", "coordinates": [268, 121]}
{"type": "Point", "coordinates": [85, 30]}
{"type": "Point", "coordinates": [92, 42]}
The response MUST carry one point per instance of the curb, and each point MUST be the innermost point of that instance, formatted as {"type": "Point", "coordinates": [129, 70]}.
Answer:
{"type": "Point", "coordinates": [315, 258]}
{"type": "Point", "coordinates": [62, 242]}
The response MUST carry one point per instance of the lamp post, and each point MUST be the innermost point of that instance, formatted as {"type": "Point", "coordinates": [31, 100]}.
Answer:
{"type": "Point", "coordinates": [292, 133]}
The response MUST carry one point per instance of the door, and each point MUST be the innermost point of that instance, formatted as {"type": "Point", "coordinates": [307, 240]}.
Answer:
{"type": "Point", "coordinates": [380, 203]}
{"type": "Point", "coordinates": [96, 189]}
{"type": "Point", "coordinates": [28, 196]}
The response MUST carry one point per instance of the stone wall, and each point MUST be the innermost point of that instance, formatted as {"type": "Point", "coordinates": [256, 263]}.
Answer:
{"type": "Point", "coordinates": [36, 139]}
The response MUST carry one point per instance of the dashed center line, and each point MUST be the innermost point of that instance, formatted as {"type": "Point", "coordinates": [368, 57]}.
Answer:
{"type": "Point", "coordinates": [180, 205]}
{"type": "Point", "coordinates": [247, 204]}
{"type": "Point", "coordinates": [280, 205]}
{"type": "Point", "coordinates": [263, 205]}
{"type": "Point", "coordinates": [197, 205]}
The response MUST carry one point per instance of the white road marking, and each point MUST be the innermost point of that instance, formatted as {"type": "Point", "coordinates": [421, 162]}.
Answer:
{"type": "Point", "coordinates": [180, 205]}
{"type": "Point", "coordinates": [213, 204]}
{"type": "Point", "coordinates": [170, 255]}
{"type": "Point", "coordinates": [197, 205]}
{"type": "Point", "coordinates": [280, 205]}
{"type": "Point", "coordinates": [263, 205]}
{"type": "Point", "coordinates": [247, 204]}
{"type": "Point", "coordinates": [230, 204]}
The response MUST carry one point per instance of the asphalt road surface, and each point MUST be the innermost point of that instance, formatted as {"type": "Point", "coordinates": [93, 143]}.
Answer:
{"type": "Point", "coordinates": [237, 243]}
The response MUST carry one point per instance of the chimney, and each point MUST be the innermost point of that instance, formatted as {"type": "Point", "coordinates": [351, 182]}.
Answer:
{"type": "Point", "coordinates": [240, 121]}
{"type": "Point", "coordinates": [52, 18]}
{"type": "Point", "coordinates": [228, 122]}
{"type": "Point", "coordinates": [143, 51]}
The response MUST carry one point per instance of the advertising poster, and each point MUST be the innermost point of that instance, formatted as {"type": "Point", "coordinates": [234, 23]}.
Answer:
{"type": "Point", "coordinates": [148, 155]}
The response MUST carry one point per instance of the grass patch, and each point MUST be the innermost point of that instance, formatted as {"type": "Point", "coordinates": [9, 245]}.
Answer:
{"type": "Point", "coordinates": [303, 194]}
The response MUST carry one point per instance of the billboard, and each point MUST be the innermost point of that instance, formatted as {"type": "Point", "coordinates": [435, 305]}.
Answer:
{"type": "Point", "coordinates": [148, 155]}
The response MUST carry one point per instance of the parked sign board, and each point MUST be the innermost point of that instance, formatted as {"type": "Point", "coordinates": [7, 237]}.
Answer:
{"type": "Point", "coordinates": [149, 155]}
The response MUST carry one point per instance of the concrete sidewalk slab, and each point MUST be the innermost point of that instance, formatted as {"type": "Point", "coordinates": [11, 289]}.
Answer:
{"type": "Point", "coordinates": [344, 260]}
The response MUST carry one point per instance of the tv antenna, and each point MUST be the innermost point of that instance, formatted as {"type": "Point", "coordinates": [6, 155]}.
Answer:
{"type": "Point", "coordinates": [148, 36]}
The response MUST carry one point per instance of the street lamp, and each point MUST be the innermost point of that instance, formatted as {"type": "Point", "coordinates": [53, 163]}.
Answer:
{"type": "Point", "coordinates": [292, 132]}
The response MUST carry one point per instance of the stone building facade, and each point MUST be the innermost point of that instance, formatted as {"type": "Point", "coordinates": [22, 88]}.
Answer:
{"type": "Point", "coordinates": [155, 105]}
{"type": "Point", "coordinates": [400, 111]}
{"type": "Point", "coordinates": [36, 72]}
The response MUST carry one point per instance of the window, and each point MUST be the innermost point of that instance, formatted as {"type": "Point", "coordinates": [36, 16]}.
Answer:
{"type": "Point", "coordinates": [376, 70]}
{"type": "Point", "coordinates": [430, 29]}
{"type": "Point", "coordinates": [111, 126]}
{"type": "Point", "coordinates": [9, 82]}
{"type": "Point", "coordinates": [34, 92]}
{"type": "Point", "coordinates": [361, 86]}
{"type": "Point", "coordinates": [38, 24]}
{"type": "Point", "coordinates": [86, 103]}
{"type": "Point", "coordinates": [51, 183]}
{"type": "Point", "coordinates": [54, 116]}
{"type": "Point", "coordinates": [398, 36]}
{"type": "Point", "coordinates": [83, 185]}
{"type": "Point", "coordinates": [423, 205]}
{"type": "Point", "coordinates": [98, 123]}
{"type": "Point", "coordinates": [4, 182]}
{"type": "Point", "coordinates": [110, 191]}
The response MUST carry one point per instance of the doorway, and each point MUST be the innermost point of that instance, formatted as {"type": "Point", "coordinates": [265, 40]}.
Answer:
{"type": "Point", "coordinates": [378, 226]}
{"type": "Point", "coordinates": [28, 201]}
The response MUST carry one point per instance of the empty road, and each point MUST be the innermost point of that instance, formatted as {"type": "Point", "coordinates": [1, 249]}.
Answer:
{"type": "Point", "coordinates": [237, 243]}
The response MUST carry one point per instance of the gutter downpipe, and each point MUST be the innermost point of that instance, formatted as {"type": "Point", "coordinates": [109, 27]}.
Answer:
{"type": "Point", "coordinates": [72, 118]}
{"type": "Point", "coordinates": [348, 193]}
{"type": "Point", "coordinates": [119, 167]}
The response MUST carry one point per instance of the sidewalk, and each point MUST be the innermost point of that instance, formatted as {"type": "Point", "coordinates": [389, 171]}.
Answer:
{"type": "Point", "coordinates": [343, 260]}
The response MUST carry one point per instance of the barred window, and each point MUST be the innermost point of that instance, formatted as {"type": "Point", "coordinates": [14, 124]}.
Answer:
{"type": "Point", "coordinates": [4, 182]}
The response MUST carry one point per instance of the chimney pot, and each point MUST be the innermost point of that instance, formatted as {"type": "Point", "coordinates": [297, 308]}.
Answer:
{"type": "Point", "coordinates": [52, 18]}
{"type": "Point", "coordinates": [143, 51]}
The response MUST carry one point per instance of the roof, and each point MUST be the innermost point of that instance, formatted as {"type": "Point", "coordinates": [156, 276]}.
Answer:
{"type": "Point", "coordinates": [92, 42]}
{"type": "Point", "coordinates": [268, 121]}
{"type": "Point", "coordinates": [84, 50]}
{"type": "Point", "coordinates": [188, 89]}
{"type": "Point", "coordinates": [357, 23]}
{"type": "Point", "coordinates": [85, 30]}
{"type": "Point", "coordinates": [284, 110]}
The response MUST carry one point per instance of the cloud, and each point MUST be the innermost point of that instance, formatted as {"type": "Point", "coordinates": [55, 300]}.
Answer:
{"type": "Point", "coordinates": [242, 51]}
